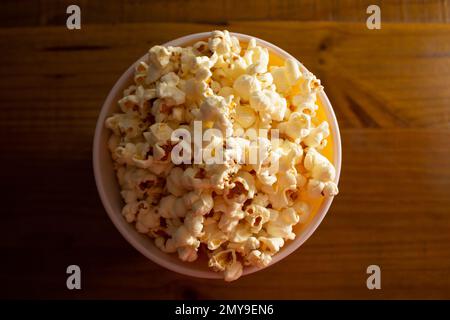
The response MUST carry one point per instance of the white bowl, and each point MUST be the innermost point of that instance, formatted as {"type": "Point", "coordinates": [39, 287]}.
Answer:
{"type": "Point", "coordinates": [108, 187]}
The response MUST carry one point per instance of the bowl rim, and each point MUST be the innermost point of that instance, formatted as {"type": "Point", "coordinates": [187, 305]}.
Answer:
{"type": "Point", "coordinates": [120, 222]}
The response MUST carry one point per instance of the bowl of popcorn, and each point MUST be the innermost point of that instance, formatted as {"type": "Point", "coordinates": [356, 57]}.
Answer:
{"type": "Point", "coordinates": [217, 154]}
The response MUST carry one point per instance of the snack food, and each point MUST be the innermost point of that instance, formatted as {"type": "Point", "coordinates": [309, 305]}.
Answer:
{"type": "Point", "coordinates": [240, 211]}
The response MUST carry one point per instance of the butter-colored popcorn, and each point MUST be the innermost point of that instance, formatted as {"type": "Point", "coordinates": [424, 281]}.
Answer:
{"type": "Point", "coordinates": [330, 189]}
{"type": "Point", "coordinates": [222, 43]}
{"type": "Point", "coordinates": [212, 235]}
{"type": "Point", "coordinates": [159, 56]}
{"type": "Point", "coordinates": [316, 137]}
{"type": "Point", "coordinates": [194, 223]}
{"type": "Point", "coordinates": [188, 254]}
{"type": "Point", "coordinates": [240, 233]}
{"type": "Point", "coordinates": [270, 244]}
{"type": "Point", "coordinates": [131, 210]}
{"type": "Point", "coordinates": [140, 74]}
{"type": "Point", "coordinates": [166, 245]}
{"type": "Point", "coordinates": [192, 179]}
{"type": "Point", "coordinates": [231, 214]}
{"type": "Point", "coordinates": [166, 207]}
{"type": "Point", "coordinates": [174, 184]}
{"type": "Point", "coordinates": [140, 181]}
{"type": "Point", "coordinates": [302, 209]}
{"type": "Point", "coordinates": [147, 220]}
{"type": "Point", "coordinates": [269, 104]}
{"type": "Point", "coordinates": [257, 57]}
{"type": "Point", "coordinates": [203, 204]}
{"type": "Point", "coordinates": [256, 216]}
{"type": "Point", "coordinates": [124, 154]}
{"type": "Point", "coordinates": [241, 188]}
{"type": "Point", "coordinates": [245, 85]}
{"type": "Point", "coordinates": [216, 109]}
{"type": "Point", "coordinates": [279, 193]}
{"type": "Point", "coordinates": [280, 228]}
{"type": "Point", "coordinates": [305, 100]}
{"type": "Point", "coordinates": [285, 77]}
{"type": "Point", "coordinates": [265, 80]}
{"type": "Point", "coordinates": [314, 188]}
{"type": "Point", "coordinates": [258, 258]}
{"type": "Point", "coordinates": [245, 116]}
{"type": "Point", "coordinates": [183, 238]}
{"type": "Point", "coordinates": [245, 247]}
{"type": "Point", "coordinates": [297, 127]}
{"type": "Point", "coordinates": [226, 260]}
{"type": "Point", "coordinates": [137, 102]}
{"type": "Point", "coordinates": [167, 89]}
{"type": "Point", "coordinates": [158, 60]}
{"type": "Point", "coordinates": [158, 133]}
{"type": "Point", "coordinates": [318, 166]}
{"type": "Point", "coordinates": [128, 125]}
{"type": "Point", "coordinates": [242, 210]}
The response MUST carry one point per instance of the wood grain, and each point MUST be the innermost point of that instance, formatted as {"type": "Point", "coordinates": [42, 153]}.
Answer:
{"type": "Point", "coordinates": [53, 12]}
{"type": "Point", "coordinates": [389, 89]}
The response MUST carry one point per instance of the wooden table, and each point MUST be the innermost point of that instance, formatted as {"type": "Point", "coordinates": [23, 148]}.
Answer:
{"type": "Point", "coordinates": [391, 92]}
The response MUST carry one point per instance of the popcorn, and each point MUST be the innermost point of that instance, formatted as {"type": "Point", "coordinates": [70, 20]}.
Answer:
{"type": "Point", "coordinates": [159, 56]}
{"type": "Point", "coordinates": [137, 102]}
{"type": "Point", "coordinates": [240, 233]}
{"type": "Point", "coordinates": [318, 166]}
{"type": "Point", "coordinates": [158, 60]}
{"type": "Point", "coordinates": [305, 100]}
{"type": "Point", "coordinates": [212, 235]}
{"type": "Point", "coordinates": [244, 209]}
{"type": "Point", "coordinates": [245, 116]}
{"type": "Point", "coordinates": [166, 245]}
{"type": "Point", "coordinates": [223, 43]}
{"type": "Point", "coordinates": [188, 254]}
{"type": "Point", "coordinates": [280, 228]}
{"type": "Point", "coordinates": [128, 125]}
{"type": "Point", "coordinates": [298, 127]}
{"type": "Point", "coordinates": [285, 77]}
{"type": "Point", "coordinates": [147, 220]}
{"type": "Point", "coordinates": [245, 85]}
{"type": "Point", "coordinates": [203, 205]}
{"type": "Point", "coordinates": [184, 238]}
{"type": "Point", "coordinates": [174, 184]}
{"type": "Point", "coordinates": [256, 217]}
{"type": "Point", "coordinates": [269, 104]}
{"type": "Point", "coordinates": [258, 258]}
{"type": "Point", "coordinates": [159, 133]}
{"type": "Point", "coordinates": [216, 109]}
{"type": "Point", "coordinates": [131, 210]}
{"type": "Point", "coordinates": [168, 90]}
{"type": "Point", "coordinates": [330, 189]}
{"type": "Point", "coordinates": [226, 261]}
{"type": "Point", "coordinates": [271, 245]}
{"type": "Point", "coordinates": [167, 208]}
{"type": "Point", "coordinates": [316, 137]}
{"type": "Point", "coordinates": [241, 188]}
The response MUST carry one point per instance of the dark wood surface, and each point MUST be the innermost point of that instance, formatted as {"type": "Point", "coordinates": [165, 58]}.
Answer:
{"type": "Point", "coordinates": [390, 91]}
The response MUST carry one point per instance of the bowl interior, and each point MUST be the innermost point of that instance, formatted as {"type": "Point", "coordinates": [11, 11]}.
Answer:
{"type": "Point", "coordinates": [109, 192]}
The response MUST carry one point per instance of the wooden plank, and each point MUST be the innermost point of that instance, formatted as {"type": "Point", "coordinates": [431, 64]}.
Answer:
{"type": "Point", "coordinates": [388, 87]}
{"type": "Point", "coordinates": [53, 12]}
